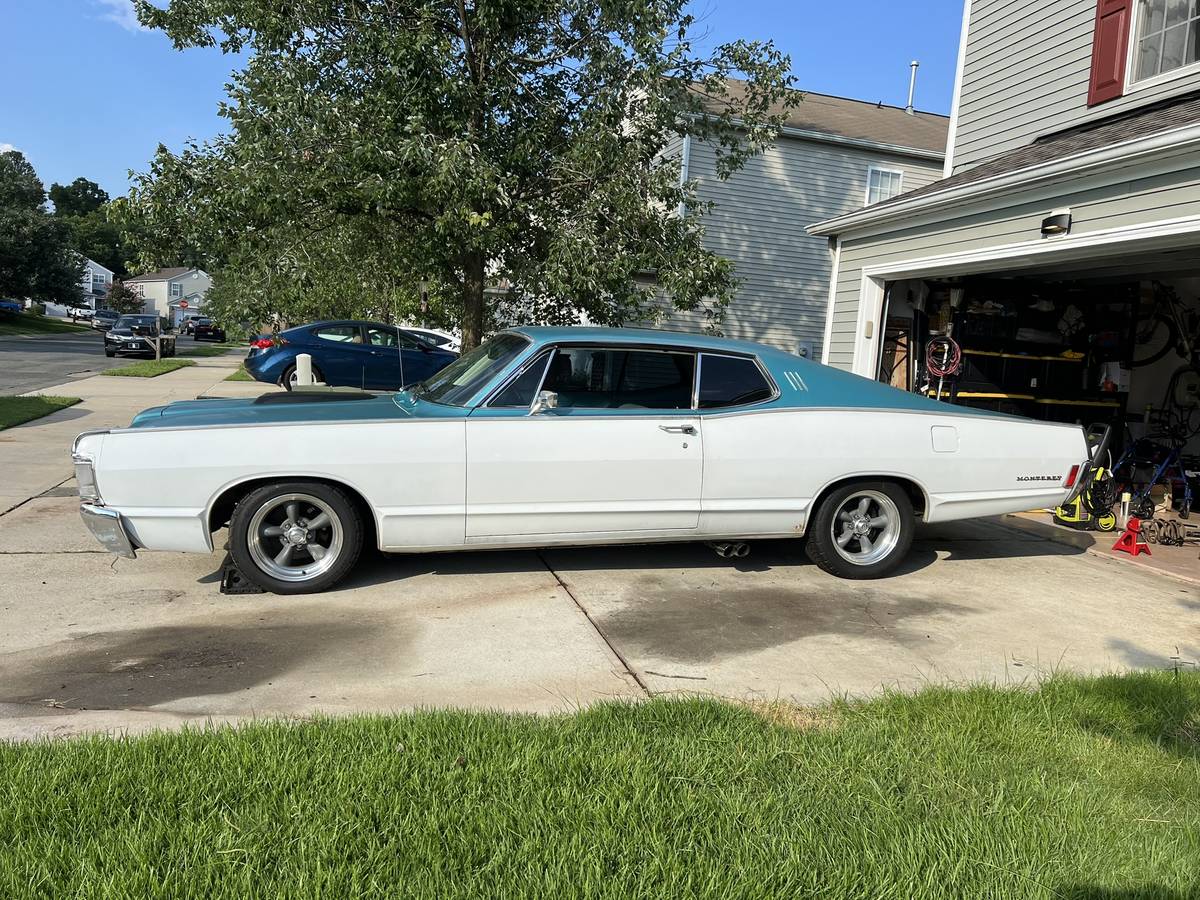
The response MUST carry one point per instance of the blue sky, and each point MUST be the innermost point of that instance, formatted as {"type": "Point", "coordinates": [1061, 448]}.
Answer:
{"type": "Point", "coordinates": [91, 94]}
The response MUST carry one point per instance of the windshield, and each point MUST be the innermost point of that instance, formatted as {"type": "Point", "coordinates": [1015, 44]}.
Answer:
{"type": "Point", "coordinates": [136, 321]}
{"type": "Point", "coordinates": [456, 384]}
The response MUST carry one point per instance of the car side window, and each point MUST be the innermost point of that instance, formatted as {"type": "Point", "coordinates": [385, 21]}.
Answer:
{"type": "Point", "coordinates": [621, 378]}
{"type": "Point", "coordinates": [521, 391]}
{"type": "Point", "coordinates": [341, 334]}
{"type": "Point", "coordinates": [731, 381]}
{"type": "Point", "coordinates": [381, 337]}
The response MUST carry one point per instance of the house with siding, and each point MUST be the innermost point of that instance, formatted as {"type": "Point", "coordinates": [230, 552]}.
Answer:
{"type": "Point", "coordinates": [95, 281]}
{"type": "Point", "coordinates": [166, 291]}
{"type": "Point", "coordinates": [1064, 234]}
{"type": "Point", "coordinates": [832, 156]}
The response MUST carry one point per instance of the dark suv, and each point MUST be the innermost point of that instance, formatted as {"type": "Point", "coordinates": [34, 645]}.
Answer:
{"type": "Point", "coordinates": [206, 329]}
{"type": "Point", "coordinates": [136, 334]}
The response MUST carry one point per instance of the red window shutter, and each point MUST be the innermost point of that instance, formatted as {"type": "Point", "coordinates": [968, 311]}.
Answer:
{"type": "Point", "coordinates": [1110, 49]}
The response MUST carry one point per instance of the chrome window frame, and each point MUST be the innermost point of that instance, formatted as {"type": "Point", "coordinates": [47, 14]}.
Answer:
{"type": "Point", "coordinates": [776, 393]}
{"type": "Point", "coordinates": [520, 371]}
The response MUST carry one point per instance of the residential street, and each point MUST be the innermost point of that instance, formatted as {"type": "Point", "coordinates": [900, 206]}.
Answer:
{"type": "Point", "coordinates": [35, 362]}
{"type": "Point", "coordinates": [88, 642]}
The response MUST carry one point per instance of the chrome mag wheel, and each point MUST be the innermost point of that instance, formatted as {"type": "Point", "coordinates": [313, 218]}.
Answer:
{"type": "Point", "coordinates": [866, 527]}
{"type": "Point", "coordinates": [295, 537]}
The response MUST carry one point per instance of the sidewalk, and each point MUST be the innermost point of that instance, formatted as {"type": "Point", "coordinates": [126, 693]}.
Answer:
{"type": "Point", "coordinates": [36, 457]}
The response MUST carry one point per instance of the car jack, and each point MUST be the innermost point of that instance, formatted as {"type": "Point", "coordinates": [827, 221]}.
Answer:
{"type": "Point", "coordinates": [233, 581]}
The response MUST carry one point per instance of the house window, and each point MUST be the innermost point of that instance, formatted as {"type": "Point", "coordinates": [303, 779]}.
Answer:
{"type": "Point", "coordinates": [883, 184]}
{"type": "Point", "coordinates": [98, 280]}
{"type": "Point", "coordinates": [1167, 35]}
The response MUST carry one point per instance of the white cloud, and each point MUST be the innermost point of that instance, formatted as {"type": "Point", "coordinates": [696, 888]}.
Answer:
{"type": "Point", "coordinates": [121, 12]}
{"type": "Point", "coordinates": [6, 148]}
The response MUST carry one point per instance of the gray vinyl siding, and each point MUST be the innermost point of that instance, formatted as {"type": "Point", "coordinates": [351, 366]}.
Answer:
{"type": "Point", "coordinates": [758, 222]}
{"type": "Point", "coordinates": [1026, 74]}
{"type": "Point", "coordinates": [1140, 201]}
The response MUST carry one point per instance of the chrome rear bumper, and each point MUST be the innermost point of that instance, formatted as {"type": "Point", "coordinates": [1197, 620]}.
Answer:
{"type": "Point", "coordinates": [106, 527]}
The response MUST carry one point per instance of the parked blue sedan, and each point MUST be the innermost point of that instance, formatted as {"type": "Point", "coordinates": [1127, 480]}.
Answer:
{"type": "Point", "coordinates": [367, 355]}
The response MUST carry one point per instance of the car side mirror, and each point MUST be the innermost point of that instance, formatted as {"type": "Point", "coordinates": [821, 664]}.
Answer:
{"type": "Point", "coordinates": [546, 400]}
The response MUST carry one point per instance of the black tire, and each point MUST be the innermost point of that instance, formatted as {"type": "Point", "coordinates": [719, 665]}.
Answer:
{"type": "Point", "coordinates": [109, 353]}
{"type": "Point", "coordinates": [886, 500]}
{"type": "Point", "coordinates": [250, 557]}
{"type": "Point", "coordinates": [285, 380]}
{"type": "Point", "coordinates": [1156, 336]}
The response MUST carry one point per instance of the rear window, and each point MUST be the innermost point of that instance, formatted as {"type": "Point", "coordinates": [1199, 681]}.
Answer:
{"type": "Point", "coordinates": [731, 381]}
{"type": "Point", "coordinates": [617, 378]}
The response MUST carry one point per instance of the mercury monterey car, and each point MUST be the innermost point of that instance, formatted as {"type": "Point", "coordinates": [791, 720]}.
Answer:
{"type": "Point", "coordinates": [560, 436]}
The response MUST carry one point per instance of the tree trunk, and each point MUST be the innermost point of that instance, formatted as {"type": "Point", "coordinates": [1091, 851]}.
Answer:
{"type": "Point", "coordinates": [473, 307]}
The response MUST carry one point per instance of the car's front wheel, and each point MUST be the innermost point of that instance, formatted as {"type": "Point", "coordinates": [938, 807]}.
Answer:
{"type": "Point", "coordinates": [296, 537]}
{"type": "Point", "coordinates": [861, 530]}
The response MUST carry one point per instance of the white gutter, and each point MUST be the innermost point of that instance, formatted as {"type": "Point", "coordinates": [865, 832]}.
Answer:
{"type": "Point", "coordinates": [948, 170]}
{"type": "Point", "coordinates": [1080, 163]}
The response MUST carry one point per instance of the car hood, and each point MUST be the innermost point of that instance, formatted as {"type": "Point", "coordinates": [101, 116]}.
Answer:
{"type": "Point", "coordinates": [268, 410]}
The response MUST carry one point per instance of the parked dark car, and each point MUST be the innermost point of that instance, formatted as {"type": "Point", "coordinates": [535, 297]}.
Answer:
{"type": "Point", "coordinates": [135, 335]}
{"type": "Point", "coordinates": [205, 329]}
{"type": "Point", "coordinates": [187, 324]}
{"type": "Point", "coordinates": [367, 355]}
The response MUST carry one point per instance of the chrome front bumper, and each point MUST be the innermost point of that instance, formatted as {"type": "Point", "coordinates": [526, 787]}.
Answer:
{"type": "Point", "coordinates": [106, 527]}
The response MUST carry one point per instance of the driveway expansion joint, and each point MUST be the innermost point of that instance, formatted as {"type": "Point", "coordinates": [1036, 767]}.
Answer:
{"type": "Point", "coordinates": [629, 670]}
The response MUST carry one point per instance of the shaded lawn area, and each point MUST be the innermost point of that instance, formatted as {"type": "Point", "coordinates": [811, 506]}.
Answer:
{"type": "Point", "coordinates": [1084, 788]}
{"type": "Point", "coordinates": [240, 375]}
{"type": "Point", "coordinates": [199, 350]}
{"type": "Point", "coordinates": [28, 323]}
{"type": "Point", "coordinates": [16, 410]}
{"type": "Point", "coordinates": [150, 368]}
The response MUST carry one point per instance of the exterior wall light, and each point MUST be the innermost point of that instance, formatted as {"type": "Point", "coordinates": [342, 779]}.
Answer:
{"type": "Point", "coordinates": [1057, 223]}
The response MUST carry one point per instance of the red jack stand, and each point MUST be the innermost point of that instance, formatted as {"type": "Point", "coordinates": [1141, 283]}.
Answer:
{"type": "Point", "coordinates": [1131, 541]}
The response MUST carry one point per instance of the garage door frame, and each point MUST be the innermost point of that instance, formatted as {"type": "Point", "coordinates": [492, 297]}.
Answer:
{"type": "Point", "coordinates": [1165, 234]}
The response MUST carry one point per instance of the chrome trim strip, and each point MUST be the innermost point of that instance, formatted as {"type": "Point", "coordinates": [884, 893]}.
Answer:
{"type": "Point", "coordinates": [696, 382]}
{"type": "Point", "coordinates": [79, 437]}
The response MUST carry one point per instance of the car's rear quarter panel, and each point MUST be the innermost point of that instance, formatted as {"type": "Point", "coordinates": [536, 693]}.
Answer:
{"type": "Point", "coordinates": [765, 469]}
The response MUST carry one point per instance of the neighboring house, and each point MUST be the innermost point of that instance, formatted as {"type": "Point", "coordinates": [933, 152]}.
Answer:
{"type": "Point", "coordinates": [167, 290]}
{"type": "Point", "coordinates": [95, 282]}
{"type": "Point", "coordinates": [832, 156]}
{"type": "Point", "coordinates": [1070, 210]}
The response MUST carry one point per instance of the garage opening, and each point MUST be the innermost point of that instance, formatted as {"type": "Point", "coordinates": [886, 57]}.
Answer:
{"type": "Point", "coordinates": [1113, 341]}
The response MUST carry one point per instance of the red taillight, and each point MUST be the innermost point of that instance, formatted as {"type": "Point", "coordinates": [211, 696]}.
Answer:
{"type": "Point", "coordinates": [262, 343]}
{"type": "Point", "coordinates": [1071, 476]}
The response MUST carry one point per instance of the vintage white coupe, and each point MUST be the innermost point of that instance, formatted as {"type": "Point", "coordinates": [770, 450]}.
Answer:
{"type": "Point", "coordinates": [549, 436]}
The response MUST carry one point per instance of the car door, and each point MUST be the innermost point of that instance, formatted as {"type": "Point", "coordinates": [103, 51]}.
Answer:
{"type": "Point", "coordinates": [382, 367]}
{"type": "Point", "coordinates": [337, 351]}
{"type": "Point", "coordinates": [620, 456]}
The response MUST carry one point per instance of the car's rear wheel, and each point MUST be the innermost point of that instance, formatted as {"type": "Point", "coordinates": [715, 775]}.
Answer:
{"type": "Point", "coordinates": [288, 379]}
{"type": "Point", "coordinates": [296, 537]}
{"type": "Point", "coordinates": [861, 530]}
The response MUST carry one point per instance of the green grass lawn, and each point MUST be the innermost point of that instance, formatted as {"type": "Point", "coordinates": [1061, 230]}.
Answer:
{"type": "Point", "coordinates": [208, 349]}
{"type": "Point", "coordinates": [240, 375]}
{"type": "Point", "coordinates": [15, 410]}
{"type": "Point", "coordinates": [27, 323]}
{"type": "Point", "coordinates": [1086, 788]}
{"type": "Point", "coordinates": [150, 368]}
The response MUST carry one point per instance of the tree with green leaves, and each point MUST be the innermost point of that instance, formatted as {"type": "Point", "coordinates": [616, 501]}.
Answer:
{"type": "Point", "coordinates": [513, 155]}
{"type": "Point", "coordinates": [78, 198]}
{"type": "Point", "coordinates": [124, 299]}
{"type": "Point", "coordinates": [36, 258]}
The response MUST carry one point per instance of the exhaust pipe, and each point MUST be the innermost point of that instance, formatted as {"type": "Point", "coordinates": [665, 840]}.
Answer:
{"type": "Point", "coordinates": [731, 550]}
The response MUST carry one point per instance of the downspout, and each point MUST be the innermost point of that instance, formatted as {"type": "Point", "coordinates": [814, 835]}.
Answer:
{"type": "Point", "coordinates": [685, 162]}
{"type": "Point", "coordinates": [836, 245]}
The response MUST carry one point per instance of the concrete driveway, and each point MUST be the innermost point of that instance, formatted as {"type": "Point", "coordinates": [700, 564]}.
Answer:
{"type": "Point", "coordinates": [88, 642]}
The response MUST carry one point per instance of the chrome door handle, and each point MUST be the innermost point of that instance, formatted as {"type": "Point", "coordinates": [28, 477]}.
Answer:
{"type": "Point", "coordinates": [678, 429]}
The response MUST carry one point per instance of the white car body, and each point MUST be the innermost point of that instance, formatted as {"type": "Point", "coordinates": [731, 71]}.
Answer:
{"type": "Point", "coordinates": [441, 479]}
